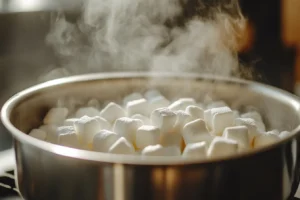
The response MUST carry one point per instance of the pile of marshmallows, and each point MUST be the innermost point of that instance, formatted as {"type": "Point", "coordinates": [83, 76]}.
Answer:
{"type": "Point", "coordinates": [151, 125]}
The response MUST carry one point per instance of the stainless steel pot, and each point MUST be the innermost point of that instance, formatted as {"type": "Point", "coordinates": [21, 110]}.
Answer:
{"type": "Point", "coordinates": [48, 171]}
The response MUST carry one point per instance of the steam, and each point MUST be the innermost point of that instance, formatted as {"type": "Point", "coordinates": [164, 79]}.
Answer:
{"type": "Point", "coordinates": [150, 35]}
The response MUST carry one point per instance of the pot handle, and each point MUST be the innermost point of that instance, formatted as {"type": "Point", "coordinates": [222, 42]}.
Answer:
{"type": "Point", "coordinates": [7, 161]}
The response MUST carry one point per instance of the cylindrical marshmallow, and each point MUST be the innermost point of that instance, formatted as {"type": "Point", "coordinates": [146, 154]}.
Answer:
{"type": "Point", "coordinates": [238, 134]}
{"type": "Point", "coordinates": [195, 150]}
{"type": "Point", "coordinates": [112, 111]}
{"type": "Point", "coordinates": [195, 131]}
{"type": "Point", "coordinates": [222, 147]}
{"type": "Point", "coordinates": [132, 97]}
{"type": "Point", "coordinates": [140, 106]}
{"type": "Point", "coordinates": [38, 134]}
{"type": "Point", "coordinates": [122, 146]}
{"type": "Point", "coordinates": [87, 111]}
{"type": "Point", "coordinates": [56, 116]}
{"type": "Point", "coordinates": [127, 127]}
{"type": "Point", "coordinates": [103, 140]}
{"type": "Point", "coordinates": [265, 139]}
{"type": "Point", "coordinates": [195, 112]}
{"type": "Point", "coordinates": [164, 119]}
{"type": "Point", "coordinates": [147, 135]}
{"type": "Point", "coordinates": [144, 119]}
{"type": "Point", "coordinates": [158, 150]}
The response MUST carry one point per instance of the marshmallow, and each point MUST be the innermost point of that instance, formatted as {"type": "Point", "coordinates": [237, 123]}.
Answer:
{"type": "Point", "coordinates": [51, 132]}
{"type": "Point", "coordinates": [222, 117]}
{"type": "Point", "coordinates": [103, 140]}
{"type": "Point", "coordinates": [140, 106]}
{"type": "Point", "coordinates": [38, 134]}
{"type": "Point", "coordinates": [251, 125]}
{"type": "Point", "coordinates": [158, 150]}
{"type": "Point", "coordinates": [67, 136]}
{"type": "Point", "coordinates": [171, 139]}
{"type": "Point", "coordinates": [112, 111]}
{"type": "Point", "coordinates": [195, 112]}
{"type": "Point", "coordinates": [93, 103]}
{"type": "Point", "coordinates": [122, 146]}
{"type": "Point", "coordinates": [86, 127]}
{"type": "Point", "coordinates": [56, 116]}
{"type": "Point", "coordinates": [257, 118]}
{"type": "Point", "coordinates": [87, 111]}
{"type": "Point", "coordinates": [195, 131]}
{"type": "Point", "coordinates": [127, 127]}
{"type": "Point", "coordinates": [70, 122]}
{"type": "Point", "coordinates": [265, 139]}
{"type": "Point", "coordinates": [182, 118]}
{"type": "Point", "coordinates": [284, 134]}
{"type": "Point", "coordinates": [159, 102]}
{"type": "Point", "coordinates": [221, 147]}
{"type": "Point", "coordinates": [181, 104]}
{"type": "Point", "coordinates": [164, 119]}
{"type": "Point", "coordinates": [276, 132]}
{"type": "Point", "coordinates": [240, 135]}
{"type": "Point", "coordinates": [144, 119]}
{"type": "Point", "coordinates": [216, 104]}
{"type": "Point", "coordinates": [195, 150]}
{"type": "Point", "coordinates": [147, 135]}
{"type": "Point", "coordinates": [236, 114]}
{"type": "Point", "coordinates": [152, 93]}
{"type": "Point", "coordinates": [209, 114]}
{"type": "Point", "coordinates": [132, 97]}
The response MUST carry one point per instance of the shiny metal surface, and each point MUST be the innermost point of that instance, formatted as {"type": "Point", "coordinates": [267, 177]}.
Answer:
{"type": "Point", "coordinates": [48, 171]}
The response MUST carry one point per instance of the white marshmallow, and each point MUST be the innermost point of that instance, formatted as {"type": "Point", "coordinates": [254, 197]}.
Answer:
{"type": "Point", "coordinates": [284, 134]}
{"type": "Point", "coordinates": [257, 118]}
{"type": "Point", "coordinates": [195, 131]}
{"type": "Point", "coordinates": [112, 111]}
{"type": "Point", "coordinates": [87, 111]}
{"type": "Point", "coordinates": [158, 150]}
{"type": "Point", "coordinates": [93, 103]}
{"type": "Point", "coordinates": [132, 97]}
{"type": "Point", "coordinates": [236, 114]}
{"type": "Point", "coordinates": [152, 93]}
{"type": "Point", "coordinates": [164, 119]}
{"type": "Point", "coordinates": [251, 125]}
{"type": "Point", "coordinates": [265, 139]}
{"type": "Point", "coordinates": [182, 119]}
{"type": "Point", "coordinates": [209, 114]}
{"type": "Point", "coordinates": [127, 127]}
{"type": "Point", "coordinates": [144, 119]}
{"type": "Point", "coordinates": [238, 134]}
{"type": "Point", "coordinates": [86, 128]}
{"type": "Point", "coordinates": [222, 117]}
{"type": "Point", "coordinates": [70, 122]}
{"type": "Point", "coordinates": [276, 132]}
{"type": "Point", "coordinates": [122, 146]}
{"type": "Point", "coordinates": [159, 102]}
{"type": "Point", "coordinates": [195, 150]}
{"type": "Point", "coordinates": [147, 135]}
{"type": "Point", "coordinates": [51, 132]}
{"type": "Point", "coordinates": [140, 106]}
{"type": "Point", "coordinates": [56, 116]}
{"type": "Point", "coordinates": [67, 136]}
{"type": "Point", "coordinates": [216, 104]}
{"type": "Point", "coordinates": [171, 139]}
{"type": "Point", "coordinates": [195, 111]}
{"type": "Point", "coordinates": [181, 104]}
{"type": "Point", "coordinates": [103, 140]}
{"type": "Point", "coordinates": [38, 134]}
{"type": "Point", "coordinates": [221, 147]}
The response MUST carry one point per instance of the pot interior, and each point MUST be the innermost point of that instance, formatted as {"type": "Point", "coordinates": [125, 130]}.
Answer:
{"type": "Point", "coordinates": [280, 110]}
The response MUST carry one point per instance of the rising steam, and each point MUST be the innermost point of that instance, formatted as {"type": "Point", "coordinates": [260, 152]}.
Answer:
{"type": "Point", "coordinates": [151, 35]}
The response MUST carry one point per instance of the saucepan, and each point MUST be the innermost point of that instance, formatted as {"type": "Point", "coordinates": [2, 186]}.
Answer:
{"type": "Point", "coordinates": [49, 171]}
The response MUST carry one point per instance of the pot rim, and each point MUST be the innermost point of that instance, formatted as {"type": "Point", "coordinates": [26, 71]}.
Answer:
{"type": "Point", "coordinates": [136, 159]}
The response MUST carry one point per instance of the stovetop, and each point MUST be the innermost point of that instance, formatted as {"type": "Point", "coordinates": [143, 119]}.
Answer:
{"type": "Point", "coordinates": [8, 190]}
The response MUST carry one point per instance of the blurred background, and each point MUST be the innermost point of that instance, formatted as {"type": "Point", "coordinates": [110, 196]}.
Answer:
{"type": "Point", "coordinates": [271, 44]}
